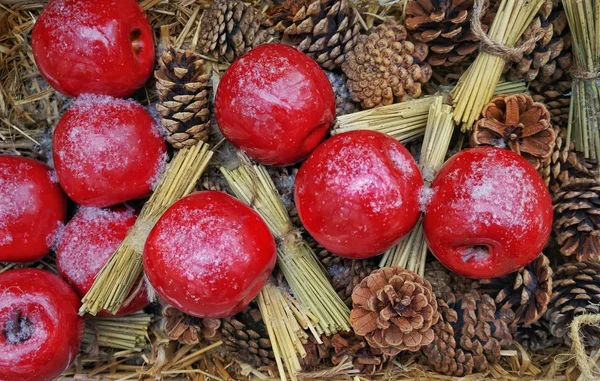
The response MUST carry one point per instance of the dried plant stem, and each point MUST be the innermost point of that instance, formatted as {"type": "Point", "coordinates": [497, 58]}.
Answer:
{"type": "Point", "coordinates": [119, 332]}
{"type": "Point", "coordinates": [411, 252]}
{"type": "Point", "coordinates": [298, 263]}
{"type": "Point", "coordinates": [512, 87]}
{"type": "Point", "coordinates": [123, 270]}
{"type": "Point", "coordinates": [403, 121]}
{"type": "Point", "coordinates": [477, 85]}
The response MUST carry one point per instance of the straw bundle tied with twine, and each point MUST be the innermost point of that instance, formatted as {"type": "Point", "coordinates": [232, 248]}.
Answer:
{"type": "Point", "coordinates": [128, 333]}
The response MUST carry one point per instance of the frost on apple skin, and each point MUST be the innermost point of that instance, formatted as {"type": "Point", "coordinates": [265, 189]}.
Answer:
{"type": "Point", "coordinates": [15, 198]}
{"type": "Point", "coordinates": [38, 333]}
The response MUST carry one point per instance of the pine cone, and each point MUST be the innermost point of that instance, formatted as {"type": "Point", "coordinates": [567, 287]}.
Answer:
{"type": "Point", "coordinates": [443, 281]}
{"type": "Point", "coordinates": [366, 359]}
{"type": "Point", "coordinates": [316, 354]}
{"type": "Point", "coordinates": [445, 25]}
{"type": "Point", "coordinates": [576, 292]}
{"type": "Point", "coordinates": [384, 66]}
{"type": "Point", "coordinates": [577, 219]}
{"type": "Point", "coordinates": [527, 291]}
{"type": "Point", "coordinates": [188, 329]}
{"type": "Point", "coordinates": [230, 28]}
{"type": "Point", "coordinates": [323, 29]}
{"type": "Point", "coordinates": [284, 179]}
{"type": "Point", "coordinates": [520, 124]}
{"type": "Point", "coordinates": [183, 98]}
{"type": "Point", "coordinates": [343, 100]}
{"type": "Point", "coordinates": [394, 309]}
{"type": "Point", "coordinates": [469, 335]}
{"type": "Point", "coordinates": [555, 91]}
{"type": "Point", "coordinates": [348, 273]}
{"type": "Point", "coordinates": [536, 337]}
{"type": "Point", "coordinates": [245, 337]}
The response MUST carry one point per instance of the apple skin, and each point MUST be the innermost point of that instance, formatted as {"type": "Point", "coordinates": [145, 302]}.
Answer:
{"type": "Point", "coordinates": [107, 151]}
{"type": "Point", "coordinates": [87, 243]}
{"type": "Point", "coordinates": [209, 255]}
{"type": "Point", "coordinates": [32, 208]}
{"type": "Point", "coordinates": [490, 202]}
{"type": "Point", "coordinates": [94, 46]}
{"type": "Point", "coordinates": [358, 193]}
{"type": "Point", "coordinates": [276, 104]}
{"type": "Point", "coordinates": [45, 303]}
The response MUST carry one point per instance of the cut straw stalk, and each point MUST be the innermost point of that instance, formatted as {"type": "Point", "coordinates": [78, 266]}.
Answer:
{"type": "Point", "coordinates": [117, 278]}
{"type": "Point", "coordinates": [583, 17]}
{"type": "Point", "coordinates": [411, 252]}
{"type": "Point", "coordinates": [126, 332]}
{"type": "Point", "coordinates": [298, 263]}
{"type": "Point", "coordinates": [477, 85]}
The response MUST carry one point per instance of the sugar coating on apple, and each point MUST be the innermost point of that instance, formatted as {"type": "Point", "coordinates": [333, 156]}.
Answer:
{"type": "Point", "coordinates": [88, 242]}
{"type": "Point", "coordinates": [107, 151]}
{"type": "Point", "coordinates": [276, 104]}
{"type": "Point", "coordinates": [490, 213]}
{"type": "Point", "coordinates": [33, 208]}
{"type": "Point", "coordinates": [94, 46]}
{"type": "Point", "coordinates": [209, 255]}
{"type": "Point", "coordinates": [40, 330]}
{"type": "Point", "coordinates": [358, 193]}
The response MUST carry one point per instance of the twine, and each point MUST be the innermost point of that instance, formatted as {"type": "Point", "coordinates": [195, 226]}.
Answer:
{"type": "Point", "coordinates": [584, 75]}
{"type": "Point", "coordinates": [495, 48]}
{"type": "Point", "coordinates": [139, 233]}
{"type": "Point", "coordinates": [589, 369]}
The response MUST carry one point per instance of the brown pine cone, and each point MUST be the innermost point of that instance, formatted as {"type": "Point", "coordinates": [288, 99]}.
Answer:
{"type": "Point", "coordinates": [537, 337]}
{"type": "Point", "coordinates": [518, 123]}
{"type": "Point", "coordinates": [343, 100]}
{"type": "Point", "coordinates": [348, 273]}
{"type": "Point", "coordinates": [316, 354]}
{"type": "Point", "coordinates": [323, 29]}
{"type": "Point", "coordinates": [527, 292]}
{"type": "Point", "coordinates": [383, 66]}
{"type": "Point", "coordinates": [394, 310]}
{"type": "Point", "coordinates": [366, 359]}
{"type": "Point", "coordinates": [245, 337]}
{"type": "Point", "coordinates": [443, 280]}
{"type": "Point", "coordinates": [577, 219]}
{"type": "Point", "coordinates": [469, 335]}
{"type": "Point", "coordinates": [188, 329]}
{"type": "Point", "coordinates": [183, 98]}
{"type": "Point", "coordinates": [576, 292]}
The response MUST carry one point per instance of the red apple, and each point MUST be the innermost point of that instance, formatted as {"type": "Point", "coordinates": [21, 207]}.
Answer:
{"type": "Point", "coordinates": [32, 209]}
{"type": "Point", "coordinates": [490, 213]}
{"type": "Point", "coordinates": [88, 242]}
{"type": "Point", "coordinates": [275, 103]}
{"type": "Point", "coordinates": [357, 194]}
{"type": "Point", "coordinates": [40, 330]}
{"type": "Point", "coordinates": [209, 255]}
{"type": "Point", "coordinates": [94, 46]}
{"type": "Point", "coordinates": [107, 151]}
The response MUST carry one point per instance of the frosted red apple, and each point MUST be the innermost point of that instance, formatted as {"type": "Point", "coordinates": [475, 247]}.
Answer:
{"type": "Point", "coordinates": [32, 209]}
{"type": "Point", "coordinates": [40, 330]}
{"type": "Point", "coordinates": [357, 194]}
{"type": "Point", "coordinates": [107, 151]}
{"type": "Point", "coordinates": [490, 213]}
{"type": "Point", "coordinates": [87, 243]}
{"type": "Point", "coordinates": [209, 255]}
{"type": "Point", "coordinates": [94, 46]}
{"type": "Point", "coordinates": [275, 103]}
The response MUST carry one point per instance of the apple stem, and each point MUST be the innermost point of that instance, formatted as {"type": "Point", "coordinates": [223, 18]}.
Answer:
{"type": "Point", "coordinates": [19, 329]}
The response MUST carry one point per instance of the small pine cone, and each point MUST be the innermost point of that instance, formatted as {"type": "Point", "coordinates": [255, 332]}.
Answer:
{"type": "Point", "coordinates": [469, 335]}
{"type": "Point", "coordinates": [230, 28]}
{"type": "Point", "coordinates": [556, 95]}
{"type": "Point", "coordinates": [316, 353]}
{"type": "Point", "coordinates": [527, 292]}
{"type": "Point", "coordinates": [577, 219]}
{"type": "Point", "coordinates": [366, 359]}
{"type": "Point", "coordinates": [394, 310]}
{"type": "Point", "coordinates": [188, 329]}
{"type": "Point", "coordinates": [518, 123]}
{"type": "Point", "coordinates": [343, 100]}
{"type": "Point", "coordinates": [183, 98]}
{"type": "Point", "coordinates": [537, 337]}
{"type": "Point", "coordinates": [284, 179]}
{"type": "Point", "coordinates": [443, 281]}
{"type": "Point", "coordinates": [348, 273]}
{"type": "Point", "coordinates": [245, 337]}
{"type": "Point", "coordinates": [576, 292]}
{"type": "Point", "coordinates": [323, 29]}
{"type": "Point", "coordinates": [383, 66]}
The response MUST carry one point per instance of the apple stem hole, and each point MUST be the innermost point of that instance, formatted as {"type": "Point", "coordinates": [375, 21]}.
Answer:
{"type": "Point", "coordinates": [18, 330]}
{"type": "Point", "coordinates": [476, 253]}
{"type": "Point", "coordinates": [136, 44]}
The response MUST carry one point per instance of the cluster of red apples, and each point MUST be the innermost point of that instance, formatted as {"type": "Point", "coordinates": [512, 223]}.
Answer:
{"type": "Point", "coordinates": [487, 213]}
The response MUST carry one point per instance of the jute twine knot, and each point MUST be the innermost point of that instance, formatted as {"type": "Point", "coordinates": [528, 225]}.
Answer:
{"type": "Point", "coordinates": [139, 233]}
{"type": "Point", "coordinates": [584, 75]}
{"type": "Point", "coordinates": [495, 48]}
{"type": "Point", "coordinates": [292, 237]}
{"type": "Point", "coordinates": [588, 366]}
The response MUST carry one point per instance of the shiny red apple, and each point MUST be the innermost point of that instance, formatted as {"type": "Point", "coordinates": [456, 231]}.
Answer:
{"type": "Point", "coordinates": [209, 255]}
{"type": "Point", "coordinates": [107, 151]}
{"type": "Point", "coordinates": [32, 209]}
{"type": "Point", "coordinates": [490, 213]}
{"type": "Point", "coordinates": [358, 193]}
{"type": "Point", "coordinates": [87, 243]}
{"type": "Point", "coordinates": [276, 104]}
{"type": "Point", "coordinates": [94, 46]}
{"type": "Point", "coordinates": [40, 330]}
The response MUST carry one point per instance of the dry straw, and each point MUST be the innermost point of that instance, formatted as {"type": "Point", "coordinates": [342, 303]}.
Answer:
{"type": "Point", "coordinates": [117, 278]}
{"type": "Point", "coordinates": [120, 332]}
